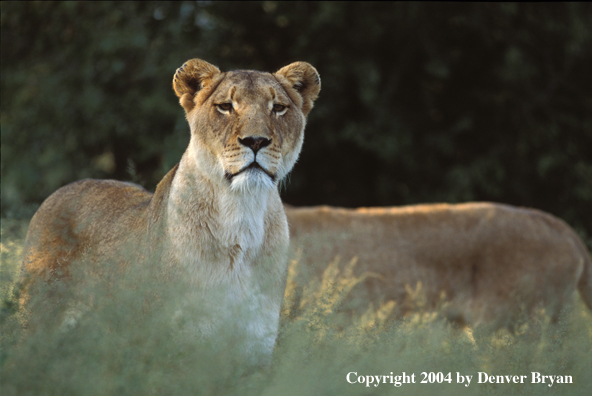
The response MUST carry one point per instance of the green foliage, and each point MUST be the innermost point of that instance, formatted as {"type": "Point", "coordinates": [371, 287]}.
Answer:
{"type": "Point", "coordinates": [420, 102]}
{"type": "Point", "coordinates": [129, 339]}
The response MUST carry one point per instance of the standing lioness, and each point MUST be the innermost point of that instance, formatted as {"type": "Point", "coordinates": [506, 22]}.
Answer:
{"type": "Point", "coordinates": [216, 217]}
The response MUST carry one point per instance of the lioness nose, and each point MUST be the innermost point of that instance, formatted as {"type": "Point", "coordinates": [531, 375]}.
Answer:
{"type": "Point", "coordinates": [255, 143]}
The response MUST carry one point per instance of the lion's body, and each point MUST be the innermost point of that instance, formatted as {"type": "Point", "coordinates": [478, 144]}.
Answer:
{"type": "Point", "coordinates": [216, 219]}
{"type": "Point", "coordinates": [491, 262]}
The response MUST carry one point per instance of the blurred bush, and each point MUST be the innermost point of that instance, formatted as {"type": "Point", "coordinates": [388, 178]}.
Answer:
{"type": "Point", "coordinates": [134, 334]}
{"type": "Point", "coordinates": [420, 102]}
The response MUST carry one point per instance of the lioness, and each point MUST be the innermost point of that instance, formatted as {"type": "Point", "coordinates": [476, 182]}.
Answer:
{"type": "Point", "coordinates": [216, 217]}
{"type": "Point", "coordinates": [491, 262]}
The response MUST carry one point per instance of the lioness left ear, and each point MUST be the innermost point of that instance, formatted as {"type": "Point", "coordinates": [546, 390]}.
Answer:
{"type": "Point", "coordinates": [305, 79]}
{"type": "Point", "coordinates": [189, 79]}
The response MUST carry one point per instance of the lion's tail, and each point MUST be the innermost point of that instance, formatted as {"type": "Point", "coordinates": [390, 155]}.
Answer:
{"type": "Point", "coordinates": [585, 281]}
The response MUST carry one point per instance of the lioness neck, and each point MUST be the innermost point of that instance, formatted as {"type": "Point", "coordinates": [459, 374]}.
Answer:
{"type": "Point", "coordinates": [215, 232]}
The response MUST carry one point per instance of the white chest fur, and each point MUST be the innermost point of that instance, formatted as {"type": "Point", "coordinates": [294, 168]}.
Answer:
{"type": "Point", "coordinates": [219, 244]}
{"type": "Point", "coordinates": [215, 237]}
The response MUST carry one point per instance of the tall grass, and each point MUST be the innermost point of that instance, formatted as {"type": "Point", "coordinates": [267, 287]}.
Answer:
{"type": "Point", "coordinates": [127, 336]}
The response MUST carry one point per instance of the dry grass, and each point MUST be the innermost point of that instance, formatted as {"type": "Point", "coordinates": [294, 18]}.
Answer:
{"type": "Point", "coordinates": [128, 344]}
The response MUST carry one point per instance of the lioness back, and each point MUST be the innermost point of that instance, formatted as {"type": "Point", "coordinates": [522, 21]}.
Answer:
{"type": "Point", "coordinates": [74, 215]}
{"type": "Point", "coordinates": [491, 261]}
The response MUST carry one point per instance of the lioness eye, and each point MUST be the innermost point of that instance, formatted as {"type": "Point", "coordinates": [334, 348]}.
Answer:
{"type": "Point", "coordinates": [225, 106]}
{"type": "Point", "coordinates": [278, 108]}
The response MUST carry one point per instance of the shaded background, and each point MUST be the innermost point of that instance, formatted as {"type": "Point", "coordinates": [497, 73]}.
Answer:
{"type": "Point", "coordinates": [419, 102]}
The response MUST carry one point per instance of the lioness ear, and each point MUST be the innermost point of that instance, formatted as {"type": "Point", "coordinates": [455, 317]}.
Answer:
{"type": "Point", "coordinates": [190, 78]}
{"type": "Point", "coordinates": [304, 79]}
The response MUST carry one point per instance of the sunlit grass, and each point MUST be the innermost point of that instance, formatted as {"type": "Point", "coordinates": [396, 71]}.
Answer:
{"type": "Point", "coordinates": [128, 341]}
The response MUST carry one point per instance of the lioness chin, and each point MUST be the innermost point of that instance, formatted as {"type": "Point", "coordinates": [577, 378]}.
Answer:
{"type": "Point", "coordinates": [490, 263]}
{"type": "Point", "coordinates": [216, 218]}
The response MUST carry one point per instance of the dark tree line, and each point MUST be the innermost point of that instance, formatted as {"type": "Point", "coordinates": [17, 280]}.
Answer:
{"type": "Point", "coordinates": [420, 102]}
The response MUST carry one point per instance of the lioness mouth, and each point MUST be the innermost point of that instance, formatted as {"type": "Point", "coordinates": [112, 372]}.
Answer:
{"type": "Point", "coordinates": [252, 165]}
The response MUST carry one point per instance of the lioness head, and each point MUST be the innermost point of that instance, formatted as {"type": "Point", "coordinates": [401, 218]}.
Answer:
{"type": "Point", "coordinates": [247, 127]}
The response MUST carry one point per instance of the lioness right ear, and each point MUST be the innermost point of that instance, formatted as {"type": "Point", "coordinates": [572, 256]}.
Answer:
{"type": "Point", "coordinates": [304, 78]}
{"type": "Point", "coordinates": [193, 76]}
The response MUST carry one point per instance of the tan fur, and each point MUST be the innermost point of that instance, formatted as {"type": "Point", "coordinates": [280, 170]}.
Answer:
{"type": "Point", "coordinates": [212, 219]}
{"type": "Point", "coordinates": [490, 261]}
